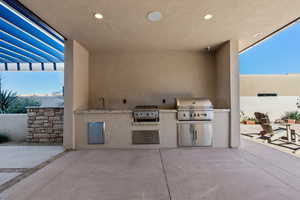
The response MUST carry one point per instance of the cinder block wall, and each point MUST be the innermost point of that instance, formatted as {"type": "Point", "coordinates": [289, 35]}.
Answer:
{"type": "Point", "coordinates": [45, 125]}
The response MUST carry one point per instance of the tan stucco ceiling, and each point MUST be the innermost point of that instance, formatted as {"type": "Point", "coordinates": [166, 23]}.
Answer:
{"type": "Point", "coordinates": [125, 26]}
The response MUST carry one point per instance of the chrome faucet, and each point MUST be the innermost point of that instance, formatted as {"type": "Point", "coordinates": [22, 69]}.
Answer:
{"type": "Point", "coordinates": [101, 99]}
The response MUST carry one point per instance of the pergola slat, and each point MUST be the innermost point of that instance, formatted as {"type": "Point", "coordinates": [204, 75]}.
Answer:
{"type": "Point", "coordinates": [26, 42]}
{"type": "Point", "coordinates": [31, 66]}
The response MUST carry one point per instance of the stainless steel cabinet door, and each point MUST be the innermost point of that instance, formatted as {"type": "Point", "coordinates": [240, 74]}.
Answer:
{"type": "Point", "coordinates": [203, 134]}
{"type": "Point", "coordinates": [185, 135]}
{"type": "Point", "coordinates": [96, 133]}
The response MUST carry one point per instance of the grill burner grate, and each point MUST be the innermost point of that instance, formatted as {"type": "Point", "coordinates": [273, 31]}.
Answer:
{"type": "Point", "coordinates": [146, 113]}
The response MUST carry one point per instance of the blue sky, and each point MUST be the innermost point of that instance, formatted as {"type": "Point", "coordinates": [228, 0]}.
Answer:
{"type": "Point", "coordinates": [33, 82]}
{"type": "Point", "coordinates": [279, 54]}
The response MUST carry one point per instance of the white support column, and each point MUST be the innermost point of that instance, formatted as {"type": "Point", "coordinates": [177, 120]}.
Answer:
{"type": "Point", "coordinates": [234, 94]}
{"type": "Point", "coordinates": [227, 86]}
{"type": "Point", "coordinates": [76, 87]}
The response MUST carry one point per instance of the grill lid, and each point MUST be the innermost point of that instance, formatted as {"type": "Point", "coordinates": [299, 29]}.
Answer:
{"type": "Point", "coordinates": [193, 103]}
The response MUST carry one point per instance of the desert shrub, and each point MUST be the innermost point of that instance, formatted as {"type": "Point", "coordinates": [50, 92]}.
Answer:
{"type": "Point", "coordinates": [291, 115]}
{"type": "Point", "coordinates": [7, 99]}
{"type": "Point", "coordinates": [20, 104]}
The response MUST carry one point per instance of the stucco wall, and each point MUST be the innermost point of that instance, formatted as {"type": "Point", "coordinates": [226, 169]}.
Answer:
{"type": "Point", "coordinates": [81, 77]}
{"type": "Point", "coordinates": [148, 78]}
{"type": "Point", "coordinates": [223, 76]}
{"type": "Point", "coordinates": [14, 126]}
{"type": "Point", "coordinates": [274, 106]}
{"type": "Point", "coordinates": [283, 85]}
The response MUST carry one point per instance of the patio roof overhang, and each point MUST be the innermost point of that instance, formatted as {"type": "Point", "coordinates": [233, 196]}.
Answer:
{"type": "Point", "coordinates": [26, 43]}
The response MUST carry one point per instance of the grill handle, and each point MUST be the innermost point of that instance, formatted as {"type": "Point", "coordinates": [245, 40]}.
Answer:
{"type": "Point", "coordinates": [194, 136]}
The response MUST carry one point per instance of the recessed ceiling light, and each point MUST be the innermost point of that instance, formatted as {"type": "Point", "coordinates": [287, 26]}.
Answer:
{"type": "Point", "coordinates": [154, 16]}
{"type": "Point", "coordinates": [257, 35]}
{"type": "Point", "coordinates": [208, 17]}
{"type": "Point", "coordinates": [98, 16]}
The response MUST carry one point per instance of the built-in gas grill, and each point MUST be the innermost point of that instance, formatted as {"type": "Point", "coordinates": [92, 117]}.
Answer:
{"type": "Point", "coordinates": [145, 121]}
{"type": "Point", "coordinates": [147, 113]}
{"type": "Point", "coordinates": [198, 109]}
{"type": "Point", "coordinates": [196, 117]}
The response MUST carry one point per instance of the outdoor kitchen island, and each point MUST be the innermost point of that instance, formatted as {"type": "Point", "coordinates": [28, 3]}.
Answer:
{"type": "Point", "coordinates": [119, 127]}
{"type": "Point", "coordinates": [108, 86]}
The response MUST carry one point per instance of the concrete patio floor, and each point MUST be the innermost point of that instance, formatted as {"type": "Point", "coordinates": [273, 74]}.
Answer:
{"type": "Point", "coordinates": [17, 160]}
{"type": "Point", "coordinates": [253, 172]}
{"type": "Point", "coordinates": [26, 156]}
{"type": "Point", "coordinates": [248, 131]}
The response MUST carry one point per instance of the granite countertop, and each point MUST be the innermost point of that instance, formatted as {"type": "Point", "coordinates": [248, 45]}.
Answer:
{"type": "Point", "coordinates": [124, 111]}
{"type": "Point", "coordinates": [99, 111]}
{"type": "Point", "coordinates": [221, 110]}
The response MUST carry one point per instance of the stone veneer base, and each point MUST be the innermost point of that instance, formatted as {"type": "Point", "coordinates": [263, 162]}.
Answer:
{"type": "Point", "coordinates": [45, 125]}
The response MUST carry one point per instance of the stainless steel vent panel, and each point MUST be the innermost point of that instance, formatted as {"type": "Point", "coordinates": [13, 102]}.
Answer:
{"type": "Point", "coordinates": [145, 137]}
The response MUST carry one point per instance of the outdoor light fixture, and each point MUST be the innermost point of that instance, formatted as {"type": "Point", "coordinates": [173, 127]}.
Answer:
{"type": "Point", "coordinates": [208, 17]}
{"type": "Point", "coordinates": [154, 16]}
{"type": "Point", "coordinates": [98, 16]}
